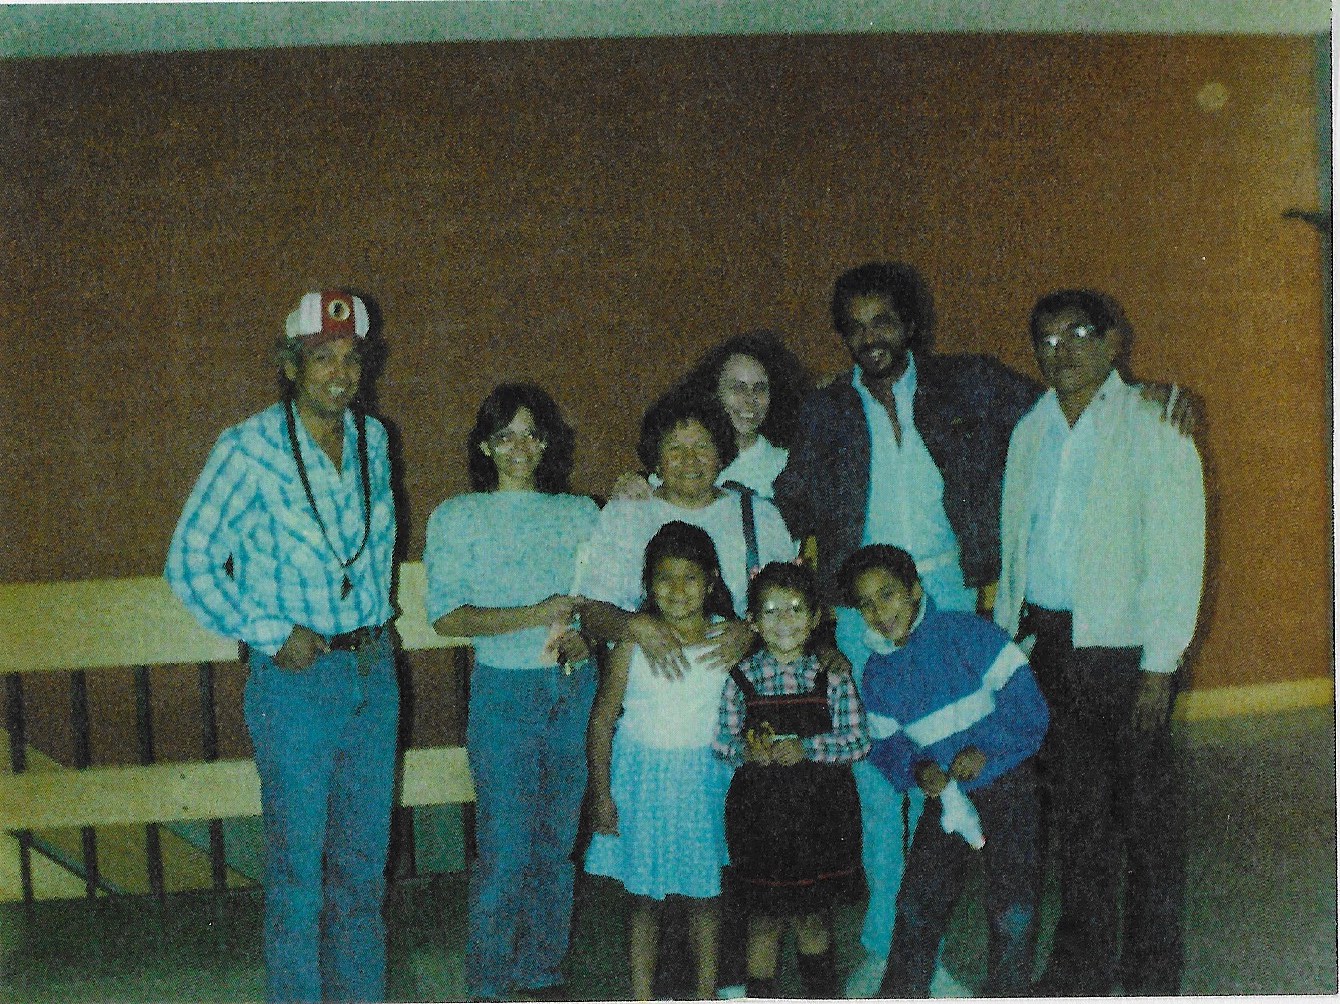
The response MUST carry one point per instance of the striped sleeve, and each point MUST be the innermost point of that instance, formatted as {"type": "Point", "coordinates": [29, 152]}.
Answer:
{"type": "Point", "coordinates": [1018, 724]}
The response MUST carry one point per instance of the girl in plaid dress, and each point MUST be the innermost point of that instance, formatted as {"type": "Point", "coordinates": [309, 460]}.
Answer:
{"type": "Point", "coordinates": [793, 821]}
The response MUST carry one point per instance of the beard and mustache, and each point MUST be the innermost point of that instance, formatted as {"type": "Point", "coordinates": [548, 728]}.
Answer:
{"type": "Point", "coordinates": [881, 358]}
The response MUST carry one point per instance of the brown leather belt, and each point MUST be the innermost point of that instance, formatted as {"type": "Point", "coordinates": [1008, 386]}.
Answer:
{"type": "Point", "coordinates": [352, 641]}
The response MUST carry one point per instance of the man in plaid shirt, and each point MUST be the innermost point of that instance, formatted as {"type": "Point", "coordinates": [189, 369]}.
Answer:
{"type": "Point", "coordinates": [286, 545]}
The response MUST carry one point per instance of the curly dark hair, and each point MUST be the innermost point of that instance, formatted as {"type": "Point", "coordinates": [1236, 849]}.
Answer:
{"type": "Point", "coordinates": [787, 379]}
{"type": "Point", "coordinates": [893, 560]}
{"type": "Point", "coordinates": [497, 412]}
{"type": "Point", "coordinates": [898, 282]}
{"type": "Point", "coordinates": [678, 539]}
{"type": "Point", "coordinates": [675, 409]}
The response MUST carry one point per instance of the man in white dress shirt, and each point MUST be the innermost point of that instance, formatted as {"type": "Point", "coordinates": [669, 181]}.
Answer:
{"type": "Point", "coordinates": [1103, 550]}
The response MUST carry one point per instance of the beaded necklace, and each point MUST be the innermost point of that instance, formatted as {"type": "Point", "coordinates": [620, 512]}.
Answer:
{"type": "Point", "coordinates": [360, 420]}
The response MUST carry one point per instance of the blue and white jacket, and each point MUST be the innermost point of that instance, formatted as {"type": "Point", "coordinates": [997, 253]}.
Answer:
{"type": "Point", "coordinates": [959, 681]}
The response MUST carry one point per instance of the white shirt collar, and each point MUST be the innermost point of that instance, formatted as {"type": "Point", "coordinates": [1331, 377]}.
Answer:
{"type": "Point", "coordinates": [1052, 402]}
{"type": "Point", "coordinates": [876, 642]}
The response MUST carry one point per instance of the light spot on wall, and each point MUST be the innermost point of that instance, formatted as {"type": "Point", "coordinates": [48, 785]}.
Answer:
{"type": "Point", "coordinates": [1212, 96]}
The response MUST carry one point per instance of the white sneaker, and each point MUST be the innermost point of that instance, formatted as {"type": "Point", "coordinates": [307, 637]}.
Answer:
{"type": "Point", "coordinates": [865, 979]}
{"type": "Point", "coordinates": [944, 985]}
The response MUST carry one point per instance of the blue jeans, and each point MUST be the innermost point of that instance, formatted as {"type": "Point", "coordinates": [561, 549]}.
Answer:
{"type": "Point", "coordinates": [325, 741]}
{"type": "Point", "coordinates": [526, 738]}
{"type": "Point", "coordinates": [882, 832]}
{"type": "Point", "coordinates": [882, 840]}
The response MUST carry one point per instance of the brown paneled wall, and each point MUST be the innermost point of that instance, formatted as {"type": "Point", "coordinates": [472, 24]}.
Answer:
{"type": "Point", "coordinates": [592, 214]}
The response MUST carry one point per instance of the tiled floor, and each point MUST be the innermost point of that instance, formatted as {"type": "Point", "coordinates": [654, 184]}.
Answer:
{"type": "Point", "coordinates": [1260, 918]}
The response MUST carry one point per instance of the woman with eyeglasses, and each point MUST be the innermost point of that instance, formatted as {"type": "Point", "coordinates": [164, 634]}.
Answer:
{"type": "Point", "coordinates": [500, 563]}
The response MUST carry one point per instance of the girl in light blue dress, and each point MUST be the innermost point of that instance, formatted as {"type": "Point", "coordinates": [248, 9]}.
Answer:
{"type": "Point", "coordinates": [500, 563]}
{"type": "Point", "coordinates": [658, 793]}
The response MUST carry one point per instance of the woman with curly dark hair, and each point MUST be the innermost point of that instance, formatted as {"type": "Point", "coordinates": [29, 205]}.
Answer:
{"type": "Point", "coordinates": [758, 383]}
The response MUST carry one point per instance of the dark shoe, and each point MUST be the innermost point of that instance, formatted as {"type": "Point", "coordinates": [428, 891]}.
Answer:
{"type": "Point", "coordinates": [1047, 985]}
{"type": "Point", "coordinates": [556, 992]}
{"type": "Point", "coordinates": [818, 975]}
{"type": "Point", "coordinates": [761, 989]}
{"type": "Point", "coordinates": [1053, 984]}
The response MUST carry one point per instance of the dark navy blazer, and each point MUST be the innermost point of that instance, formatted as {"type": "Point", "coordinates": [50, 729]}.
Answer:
{"type": "Point", "coordinates": [965, 407]}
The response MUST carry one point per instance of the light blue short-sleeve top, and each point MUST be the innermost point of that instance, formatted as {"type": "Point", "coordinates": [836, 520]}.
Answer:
{"type": "Point", "coordinates": [505, 549]}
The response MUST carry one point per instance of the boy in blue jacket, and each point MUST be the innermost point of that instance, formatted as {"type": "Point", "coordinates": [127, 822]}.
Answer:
{"type": "Point", "coordinates": [953, 707]}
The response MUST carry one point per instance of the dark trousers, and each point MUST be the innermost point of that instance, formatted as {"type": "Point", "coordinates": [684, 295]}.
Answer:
{"type": "Point", "coordinates": [1113, 789]}
{"type": "Point", "coordinates": [676, 974]}
{"type": "Point", "coordinates": [937, 867]}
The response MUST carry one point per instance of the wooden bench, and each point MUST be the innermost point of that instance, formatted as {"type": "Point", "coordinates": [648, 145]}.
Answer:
{"type": "Point", "coordinates": [113, 624]}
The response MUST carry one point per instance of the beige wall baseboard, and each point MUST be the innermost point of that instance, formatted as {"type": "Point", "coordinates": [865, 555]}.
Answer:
{"type": "Point", "coordinates": [1255, 699]}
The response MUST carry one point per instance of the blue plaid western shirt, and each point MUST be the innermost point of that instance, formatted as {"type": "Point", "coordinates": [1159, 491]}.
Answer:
{"type": "Point", "coordinates": [248, 558]}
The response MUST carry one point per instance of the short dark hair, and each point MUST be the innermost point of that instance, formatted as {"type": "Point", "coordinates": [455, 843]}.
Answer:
{"type": "Point", "coordinates": [678, 539]}
{"type": "Point", "coordinates": [899, 283]}
{"type": "Point", "coordinates": [674, 409]}
{"type": "Point", "coordinates": [893, 560]}
{"type": "Point", "coordinates": [787, 379]}
{"type": "Point", "coordinates": [1100, 309]}
{"type": "Point", "coordinates": [497, 412]}
{"type": "Point", "coordinates": [783, 575]}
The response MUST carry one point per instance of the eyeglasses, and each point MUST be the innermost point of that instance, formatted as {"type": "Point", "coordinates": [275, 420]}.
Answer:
{"type": "Point", "coordinates": [509, 438]}
{"type": "Point", "coordinates": [1081, 334]}
{"type": "Point", "coordinates": [795, 605]}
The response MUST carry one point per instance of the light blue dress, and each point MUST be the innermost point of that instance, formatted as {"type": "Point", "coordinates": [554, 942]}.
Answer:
{"type": "Point", "coordinates": [669, 787]}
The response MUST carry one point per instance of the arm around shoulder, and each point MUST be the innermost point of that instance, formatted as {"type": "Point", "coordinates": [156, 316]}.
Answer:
{"type": "Point", "coordinates": [1003, 394]}
{"type": "Point", "coordinates": [611, 558]}
{"type": "Point", "coordinates": [1174, 514]}
{"type": "Point", "coordinates": [793, 490]}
